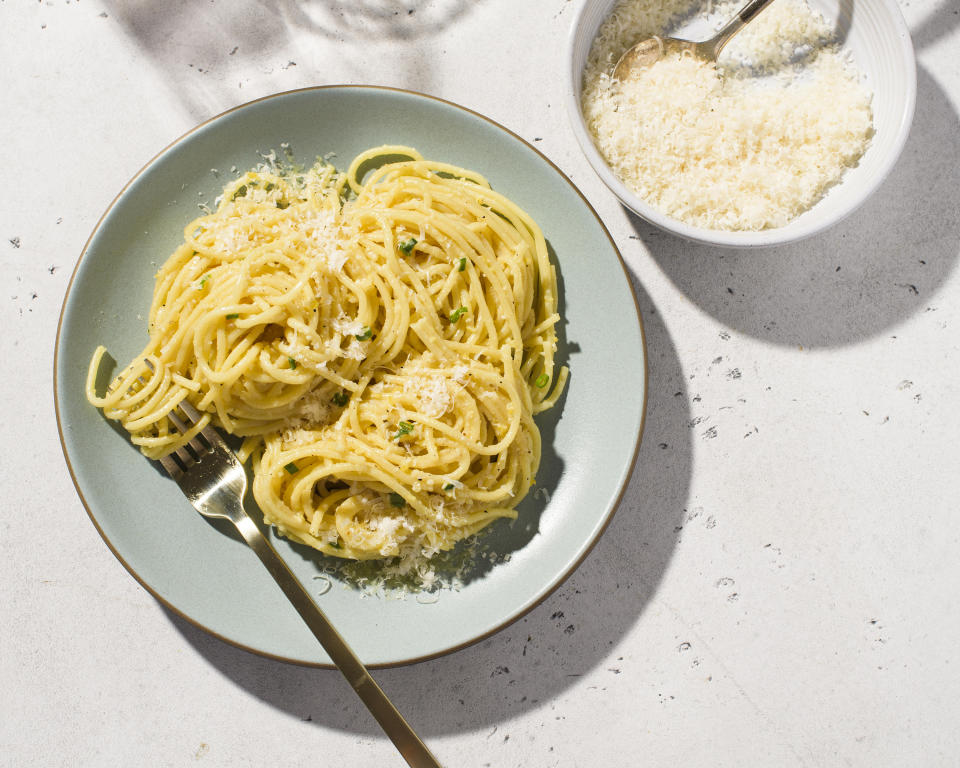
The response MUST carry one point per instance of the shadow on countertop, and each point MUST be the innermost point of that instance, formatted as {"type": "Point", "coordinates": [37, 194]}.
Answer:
{"type": "Point", "coordinates": [384, 19]}
{"type": "Point", "coordinates": [875, 269]}
{"type": "Point", "coordinates": [538, 657]}
{"type": "Point", "coordinates": [203, 50]}
{"type": "Point", "coordinates": [938, 25]}
{"type": "Point", "coordinates": [260, 24]}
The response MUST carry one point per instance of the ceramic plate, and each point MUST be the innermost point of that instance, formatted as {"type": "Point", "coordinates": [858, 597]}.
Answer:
{"type": "Point", "coordinates": [210, 577]}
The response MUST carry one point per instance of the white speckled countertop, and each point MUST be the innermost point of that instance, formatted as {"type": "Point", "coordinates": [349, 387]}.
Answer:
{"type": "Point", "coordinates": [778, 587]}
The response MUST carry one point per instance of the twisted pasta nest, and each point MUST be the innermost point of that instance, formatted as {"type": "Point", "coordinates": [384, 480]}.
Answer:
{"type": "Point", "coordinates": [382, 343]}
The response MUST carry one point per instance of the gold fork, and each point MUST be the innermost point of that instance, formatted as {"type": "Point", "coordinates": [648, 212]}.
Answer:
{"type": "Point", "coordinates": [215, 482]}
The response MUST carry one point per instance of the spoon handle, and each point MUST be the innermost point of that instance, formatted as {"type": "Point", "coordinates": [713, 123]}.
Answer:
{"type": "Point", "coordinates": [738, 22]}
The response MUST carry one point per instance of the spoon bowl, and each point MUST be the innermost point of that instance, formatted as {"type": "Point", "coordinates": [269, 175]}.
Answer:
{"type": "Point", "coordinates": [650, 50]}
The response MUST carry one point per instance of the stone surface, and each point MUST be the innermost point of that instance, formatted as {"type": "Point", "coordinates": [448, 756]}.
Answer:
{"type": "Point", "coordinates": [778, 585]}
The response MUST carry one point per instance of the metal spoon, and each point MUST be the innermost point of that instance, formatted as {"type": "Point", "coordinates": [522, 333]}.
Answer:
{"type": "Point", "coordinates": [654, 48]}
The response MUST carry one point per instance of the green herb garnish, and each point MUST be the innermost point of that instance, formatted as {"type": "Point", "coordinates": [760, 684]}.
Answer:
{"type": "Point", "coordinates": [282, 204]}
{"type": "Point", "coordinates": [365, 333]}
{"type": "Point", "coordinates": [448, 487]}
{"type": "Point", "coordinates": [542, 380]}
{"type": "Point", "coordinates": [270, 186]}
{"type": "Point", "coordinates": [233, 316]}
{"type": "Point", "coordinates": [291, 363]}
{"type": "Point", "coordinates": [396, 500]}
{"type": "Point", "coordinates": [241, 192]}
{"type": "Point", "coordinates": [457, 313]}
{"type": "Point", "coordinates": [340, 399]}
{"type": "Point", "coordinates": [403, 428]}
{"type": "Point", "coordinates": [335, 544]}
{"type": "Point", "coordinates": [463, 264]}
{"type": "Point", "coordinates": [291, 468]}
{"type": "Point", "coordinates": [407, 245]}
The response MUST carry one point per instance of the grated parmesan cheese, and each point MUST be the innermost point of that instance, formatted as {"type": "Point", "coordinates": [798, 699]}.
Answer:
{"type": "Point", "coordinates": [347, 327]}
{"type": "Point", "coordinates": [747, 145]}
{"type": "Point", "coordinates": [313, 411]}
{"type": "Point", "coordinates": [432, 395]}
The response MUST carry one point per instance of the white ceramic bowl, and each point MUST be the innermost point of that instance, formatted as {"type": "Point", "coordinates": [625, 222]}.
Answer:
{"type": "Point", "coordinates": [877, 37]}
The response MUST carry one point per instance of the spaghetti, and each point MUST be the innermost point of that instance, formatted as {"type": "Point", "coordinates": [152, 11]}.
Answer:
{"type": "Point", "coordinates": [382, 342]}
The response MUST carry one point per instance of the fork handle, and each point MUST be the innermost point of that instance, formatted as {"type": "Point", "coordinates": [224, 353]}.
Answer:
{"type": "Point", "coordinates": [413, 750]}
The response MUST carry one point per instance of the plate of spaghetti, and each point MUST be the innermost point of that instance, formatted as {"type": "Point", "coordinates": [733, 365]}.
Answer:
{"type": "Point", "coordinates": [406, 320]}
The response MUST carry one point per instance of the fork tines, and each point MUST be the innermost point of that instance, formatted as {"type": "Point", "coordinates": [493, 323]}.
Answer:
{"type": "Point", "coordinates": [207, 439]}
{"type": "Point", "coordinates": [180, 460]}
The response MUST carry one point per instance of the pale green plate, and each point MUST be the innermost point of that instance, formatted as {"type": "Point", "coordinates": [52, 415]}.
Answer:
{"type": "Point", "coordinates": [210, 577]}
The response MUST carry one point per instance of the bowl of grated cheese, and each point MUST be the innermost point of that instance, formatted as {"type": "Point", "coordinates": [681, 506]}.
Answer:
{"type": "Point", "coordinates": [801, 119]}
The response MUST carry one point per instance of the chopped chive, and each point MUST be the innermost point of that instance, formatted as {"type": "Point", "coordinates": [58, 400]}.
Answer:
{"type": "Point", "coordinates": [282, 204]}
{"type": "Point", "coordinates": [335, 544]}
{"type": "Point", "coordinates": [291, 468]}
{"type": "Point", "coordinates": [407, 245]}
{"type": "Point", "coordinates": [448, 487]}
{"type": "Point", "coordinates": [270, 186]}
{"type": "Point", "coordinates": [365, 333]}
{"type": "Point", "coordinates": [396, 500]}
{"type": "Point", "coordinates": [233, 316]}
{"type": "Point", "coordinates": [340, 399]}
{"type": "Point", "coordinates": [241, 192]}
{"type": "Point", "coordinates": [291, 363]}
{"type": "Point", "coordinates": [403, 428]}
{"type": "Point", "coordinates": [463, 264]}
{"type": "Point", "coordinates": [203, 281]}
{"type": "Point", "coordinates": [542, 380]}
{"type": "Point", "coordinates": [457, 313]}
